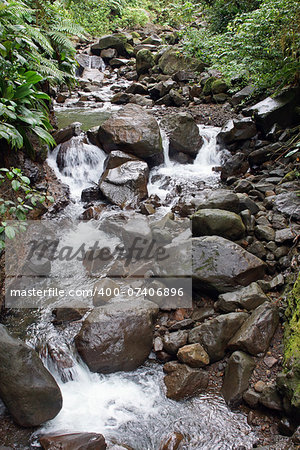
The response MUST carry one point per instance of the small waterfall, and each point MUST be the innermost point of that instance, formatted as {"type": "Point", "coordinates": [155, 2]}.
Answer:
{"type": "Point", "coordinates": [81, 164]}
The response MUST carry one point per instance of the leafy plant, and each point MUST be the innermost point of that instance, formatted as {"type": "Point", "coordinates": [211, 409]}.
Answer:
{"type": "Point", "coordinates": [26, 199]}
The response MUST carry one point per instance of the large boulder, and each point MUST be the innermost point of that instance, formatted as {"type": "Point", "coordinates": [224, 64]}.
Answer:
{"type": "Point", "coordinates": [125, 185]}
{"type": "Point", "coordinates": [249, 297]}
{"type": "Point", "coordinates": [208, 222]}
{"type": "Point", "coordinates": [257, 331]}
{"type": "Point", "coordinates": [235, 165]}
{"type": "Point", "coordinates": [183, 133]}
{"type": "Point", "coordinates": [236, 130]}
{"type": "Point", "coordinates": [215, 334]}
{"type": "Point", "coordinates": [144, 61]}
{"type": "Point", "coordinates": [67, 133]}
{"type": "Point", "coordinates": [116, 41]}
{"type": "Point", "coordinates": [183, 381]}
{"type": "Point", "coordinates": [237, 374]}
{"type": "Point", "coordinates": [132, 130]}
{"type": "Point", "coordinates": [173, 61]}
{"type": "Point", "coordinates": [221, 266]}
{"type": "Point", "coordinates": [28, 390]}
{"type": "Point", "coordinates": [281, 110]}
{"type": "Point", "coordinates": [118, 336]}
{"type": "Point", "coordinates": [74, 441]}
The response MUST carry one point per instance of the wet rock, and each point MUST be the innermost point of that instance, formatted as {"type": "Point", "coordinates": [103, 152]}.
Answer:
{"type": "Point", "coordinates": [215, 334]}
{"type": "Point", "coordinates": [173, 341]}
{"type": "Point", "coordinates": [288, 204]}
{"type": "Point", "coordinates": [287, 234]}
{"type": "Point", "coordinates": [117, 336]}
{"type": "Point", "coordinates": [237, 374]}
{"type": "Point", "coordinates": [193, 355]}
{"type": "Point", "coordinates": [199, 315]}
{"type": "Point", "coordinates": [184, 75]}
{"type": "Point", "coordinates": [237, 130]}
{"type": "Point", "coordinates": [116, 158]}
{"type": "Point", "coordinates": [176, 98]}
{"type": "Point", "coordinates": [270, 398]}
{"type": "Point", "coordinates": [121, 98]}
{"type": "Point", "coordinates": [116, 41]}
{"type": "Point", "coordinates": [172, 441]}
{"type": "Point", "coordinates": [211, 267]}
{"type": "Point", "coordinates": [62, 315]}
{"type": "Point", "coordinates": [208, 222]}
{"type": "Point", "coordinates": [242, 95]}
{"type": "Point", "coordinates": [262, 154]}
{"type": "Point", "coordinates": [247, 203]}
{"type": "Point", "coordinates": [234, 166]}
{"type": "Point", "coordinates": [137, 88]}
{"type": "Point", "coordinates": [66, 133]}
{"type": "Point", "coordinates": [280, 110]}
{"type": "Point", "coordinates": [133, 131]}
{"type": "Point", "coordinates": [182, 325]}
{"type": "Point", "coordinates": [257, 331]}
{"type": "Point", "coordinates": [141, 100]}
{"type": "Point", "coordinates": [161, 89]}
{"type": "Point", "coordinates": [125, 185]}
{"type": "Point", "coordinates": [93, 212]}
{"type": "Point", "coordinates": [91, 194]}
{"type": "Point", "coordinates": [264, 233]}
{"type": "Point", "coordinates": [219, 199]}
{"type": "Point", "coordinates": [286, 427]}
{"type": "Point", "coordinates": [183, 133]}
{"type": "Point", "coordinates": [61, 98]}
{"type": "Point", "coordinates": [154, 39]}
{"type": "Point", "coordinates": [172, 62]}
{"type": "Point", "coordinates": [258, 249]}
{"type": "Point", "coordinates": [249, 297]}
{"type": "Point", "coordinates": [144, 61]}
{"type": "Point", "coordinates": [251, 398]}
{"type": "Point", "coordinates": [183, 381]}
{"type": "Point", "coordinates": [28, 390]}
{"type": "Point", "coordinates": [108, 54]}
{"type": "Point", "coordinates": [74, 441]}
{"type": "Point", "coordinates": [248, 220]}
{"type": "Point", "coordinates": [118, 62]}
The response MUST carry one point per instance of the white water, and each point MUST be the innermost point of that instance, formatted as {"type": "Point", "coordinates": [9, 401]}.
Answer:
{"type": "Point", "coordinates": [201, 169]}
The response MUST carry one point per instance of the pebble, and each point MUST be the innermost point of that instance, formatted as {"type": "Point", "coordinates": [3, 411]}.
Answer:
{"type": "Point", "coordinates": [259, 386]}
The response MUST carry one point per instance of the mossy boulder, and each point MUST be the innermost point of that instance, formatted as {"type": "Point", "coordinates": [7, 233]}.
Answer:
{"type": "Point", "coordinates": [144, 61]}
{"type": "Point", "coordinates": [219, 87]}
{"type": "Point", "coordinates": [288, 381]}
{"type": "Point", "coordinates": [173, 61]}
{"type": "Point", "coordinates": [208, 85]}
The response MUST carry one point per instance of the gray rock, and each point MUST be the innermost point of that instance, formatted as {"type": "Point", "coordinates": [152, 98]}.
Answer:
{"type": "Point", "coordinates": [183, 133]}
{"type": "Point", "coordinates": [249, 297]}
{"type": "Point", "coordinates": [270, 398]}
{"type": "Point", "coordinates": [137, 88]}
{"type": "Point", "coordinates": [221, 265]}
{"type": "Point", "coordinates": [280, 110]}
{"type": "Point", "coordinates": [264, 233]}
{"type": "Point", "coordinates": [237, 374]}
{"type": "Point", "coordinates": [27, 389]}
{"type": "Point", "coordinates": [208, 222]}
{"type": "Point", "coordinates": [173, 341]}
{"type": "Point", "coordinates": [183, 381]}
{"type": "Point", "coordinates": [257, 331]}
{"type": "Point", "coordinates": [237, 130]}
{"type": "Point", "coordinates": [287, 234]}
{"type": "Point", "coordinates": [125, 185]}
{"type": "Point", "coordinates": [258, 249]}
{"type": "Point", "coordinates": [288, 204]}
{"type": "Point", "coordinates": [262, 154]}
{"type": "Point", "coordinates": [242, 95]}
{"type": "Point", "coordinates": [219, 199]}
{"type": "Point", "coordinates": [234, 166]}
{"type": "Point", "coordinates": [161, 89]}
{"type": "Point", "coordinates": [108, 53]}
{"type": "Point", "coordinates": [247, 203]}
{"type": "Point", "coordinates": [116, 41]}
{"type": "Point", "coordinates": [117, 336]}
{"type": "Point", "coordinates": [132, 130]}
{"type": "Point", "coordinates": [251, 398]}
{"type": "Point", "coordinates": [121, 98]}
{"type": "Point", "coordinates": [215, 334]}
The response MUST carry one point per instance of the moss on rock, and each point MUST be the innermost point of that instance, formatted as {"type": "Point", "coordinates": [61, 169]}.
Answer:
{"type": "Point", "coordinates": [289, 380]}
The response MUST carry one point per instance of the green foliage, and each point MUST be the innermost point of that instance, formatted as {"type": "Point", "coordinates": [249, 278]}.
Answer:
{"type": "Point", "coordinates": [26, 199]}
{"type": "Point", "coordinates": [261, 45]}
{"type": "Point", "coordinates": [178, 12]}
{"type": "Point", "coordinates": [222, 12]}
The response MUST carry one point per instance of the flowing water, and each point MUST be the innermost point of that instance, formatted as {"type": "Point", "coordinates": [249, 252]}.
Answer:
{"type": "Point", "coordinates": [129, 408]}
